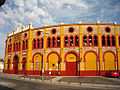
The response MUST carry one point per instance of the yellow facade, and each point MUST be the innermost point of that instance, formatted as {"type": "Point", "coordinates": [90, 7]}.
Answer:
{"type": "Point", "coordinates": [56, 55]}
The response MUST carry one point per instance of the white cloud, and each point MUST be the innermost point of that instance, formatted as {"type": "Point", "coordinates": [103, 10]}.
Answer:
{"type": "Point", "coordinates": [2, 45]}
{"type": "Point", "coordinates": [41, 12]}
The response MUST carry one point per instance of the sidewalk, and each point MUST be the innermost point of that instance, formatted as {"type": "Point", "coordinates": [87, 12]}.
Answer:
{"type": "Point", "coordinates": [70, 80]}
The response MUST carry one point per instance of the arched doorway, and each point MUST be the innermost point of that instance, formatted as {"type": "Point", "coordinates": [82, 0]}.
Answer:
{"type": "Point", "coordinates": [91, 59]}
{"type": "Point", "coordinates": [71, 64]}
{"type": "Point", "coordinates": [109, 60]}
{"type": "Point", "coordinates": [8, 64]}
{"type": "Point", "coordinates": [37, 63]}
{"type": "Point", "coordinates": [53, 59]}
{"type": "Point", "coordinates": [15, 64]}
{"type": "Point", "coordinates": [24, 65]}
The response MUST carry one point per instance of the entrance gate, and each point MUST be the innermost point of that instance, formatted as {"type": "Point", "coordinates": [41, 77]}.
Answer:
{"type": "Point", "coordinates": [71, 64]}
{"type": "Point", "coordinates": [15, 64]}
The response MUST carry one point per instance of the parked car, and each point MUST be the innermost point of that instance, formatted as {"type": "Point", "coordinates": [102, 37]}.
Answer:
{"type": "Point", "coordinates": [112, 73]}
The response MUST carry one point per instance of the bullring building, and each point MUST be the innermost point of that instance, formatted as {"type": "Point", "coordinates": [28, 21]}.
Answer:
{"type": "Point", "coordinates": [81, 49]}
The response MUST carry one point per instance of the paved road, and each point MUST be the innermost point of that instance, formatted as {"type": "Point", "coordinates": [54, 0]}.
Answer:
{"type": "Point", "coordinates": [12, 84]}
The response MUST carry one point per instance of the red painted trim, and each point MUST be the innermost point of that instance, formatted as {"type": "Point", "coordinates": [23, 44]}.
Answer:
{"type": "Point", "coordinates": [55, 53]}
{"type": "Point", "coordinates": [23, 45]}
{"type": "Point", "coordinates": [23, 63]}
{"type": "Point", "coordinates": [34, 43]}
{"type": "Point", "coordinates": [38, 32]}
{"type": "Point", "coordinates": [106, 28]}
{"type": "Point", "coordinates": [91, 40]}
{"type": "Point", "coordinates": [88, 52]}
{"type": "Point", "coordinates": [96, 58]}
{"type": "Point", "coordinates": [35, 72]}
{"type": "Point", "coordinates": [72, 41]}
{"type": "Point", "coordinates": [25, 35]}
{"type": "Point", "coordinates": [52, 42]}
{"type": "Point", "coordinates": [97, 41]}
{"type": "Point", "coordinates": [57, 41]}
{"type": "Point", "coordinates": [42, 41]}
{"type": "Point", "coordinates": [74, 52]}
{"type": "Point", "coordinates": [14, 58]}
{"type": "Point", "coordinates": [104, 40]}
{"type": "Point", "coordinates": [67, 41]}
{"type": "Point", "coordinates": [23, 60]}
{"type": "Point", "coordinates": [119, 40]}
{"type": "Point", "coordinates": [114, 41]}
{"type": "Point", "coordinates": [71, 28]}
{"type": "Point", "coordinates": [111, 52]}
{"type": "Point", "coordinates": [48, 46]}
{"type": "Point", "coordinates": [9, 40]}
{"type": "Point", "coordinates": [29, 72]}
{"type": "Point", "coordinates": [78, 40]}
{"type": "Point", "coordinates": [52, 31]}
{"type": "Point", "coordinates": [35, 54]}
{"type": "Point", "coordinates": [88, 28]}
{"type": "Point", "coordinates": [107, 40]}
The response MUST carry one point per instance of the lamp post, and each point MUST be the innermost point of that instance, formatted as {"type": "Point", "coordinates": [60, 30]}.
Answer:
{"type": "Point", "coordinates": [43, 55]}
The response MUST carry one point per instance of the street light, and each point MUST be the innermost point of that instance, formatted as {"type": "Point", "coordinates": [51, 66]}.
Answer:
{"type": "Point", "coordinates": [43, 55]}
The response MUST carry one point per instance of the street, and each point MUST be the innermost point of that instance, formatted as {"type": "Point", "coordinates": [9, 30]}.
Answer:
{"type": "Point", "coordinates": [12, 84]}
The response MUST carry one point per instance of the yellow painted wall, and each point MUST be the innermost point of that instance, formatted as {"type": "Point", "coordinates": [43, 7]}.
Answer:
{"type": "Point", "coordinates": [119, 60]}
{"type": "Point", "coordinates": [90, 63]}
{"type": "Point", "coordinates": [109, 61]}
{"type": "Point", "coordinates": [53, 62]}
{"type": "Point", "coordinates": [37, 62]}
{"type": "Point", "coordinates": [71, 57]}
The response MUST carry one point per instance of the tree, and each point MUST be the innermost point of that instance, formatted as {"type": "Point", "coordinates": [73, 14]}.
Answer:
{"type": "Point", "coordinates": [1, 60]}
{"type": "Point", "coordinates": [2, 2]}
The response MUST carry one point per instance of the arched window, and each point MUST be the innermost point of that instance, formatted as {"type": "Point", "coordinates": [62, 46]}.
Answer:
{"type": "Point", "coordinates": [71, 40]}
{"type": "Point", "coordinates": [103, 41]}
{"type": "Point", "coordinates": [8, 66]}
{"type": "Point", "coordinates": [90, 40]}
{"type": "Point", "coordinates": [34, 43]}
{"type": "Point", "coordinates": [19, 46]}
{"type": "Point", "coordinates": [58, 41]}
{"type": "Point", "coordinates": [95, 41]}
{"type": "Point", "coordinates": [24, 63]}
{"type": "Point", "coordinates": [8, 48]}
{"type": "Point", "coordinates": [113, 41]}
{"type": "Point", "coordinates": [42, 41]}
{"type": "Point", "coordinates": [26, 44]}
{"type": "Point", "coordinates": [66, 41]}
{"type": "Point", "coordinates": [16, 46]}
{"type": "Point", "coordinates": [38, 43]}
{"type": "Point", "coordinates": [53, 39]}
{"type": "Point", "coordinates": [76, 41]}
{"type": "Point", "coordinates": [49, 39]}
{"type": "Point", "coordinates": [108, 40]}
{"type": "Point", "coordinates": [84, 40]}
{"type": "Point", "coordinates": [23, 45]}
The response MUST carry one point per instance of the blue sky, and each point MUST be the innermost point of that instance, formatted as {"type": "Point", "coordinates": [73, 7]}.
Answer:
{"type": "Point", "coordinates": [52, 12]}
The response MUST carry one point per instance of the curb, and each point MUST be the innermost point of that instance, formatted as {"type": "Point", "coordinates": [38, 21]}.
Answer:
{"type": "Point", "coordinates": [73, 84]}
{"type": "Point", "coordinates": [57, 82]}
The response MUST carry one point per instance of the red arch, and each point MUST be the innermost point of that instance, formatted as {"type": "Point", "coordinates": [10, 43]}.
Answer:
{"type": "Point", "coordinates": [14, 58]}
{"type": "Point", "coordinates": [23, 59]}
{"type": "Point", "coordinates": [55, 53]}
{"type": "Point", "coordinates": [74, 52]}
{"type": "Point", "coordinates": [35, 54]}
{"type": "Point", "coordinates": [93, 52]}
{"type": "Point", "coordinates": [111, 52]}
